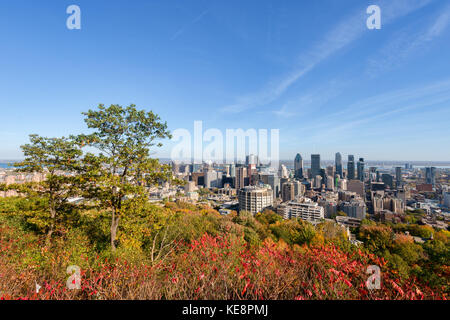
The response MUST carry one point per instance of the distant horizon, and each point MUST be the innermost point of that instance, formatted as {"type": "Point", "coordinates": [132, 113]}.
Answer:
{"type": "Point", "coordinates": [291, 160]}
{"type": "Point", "coordinates": [312, 70]}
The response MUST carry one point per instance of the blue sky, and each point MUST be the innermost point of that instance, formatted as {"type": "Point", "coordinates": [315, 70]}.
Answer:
{"type": "Point", "coordinates": [311, 69]}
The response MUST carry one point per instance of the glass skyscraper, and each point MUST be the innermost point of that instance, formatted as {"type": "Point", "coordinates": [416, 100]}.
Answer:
{"type": "Point", "coordinates": [338, 163]}
{"type": "Point", "coordinates": [315, 165]}
{"type": "Point", "coordinates": [298, 166]}
{"type": "Point", "coordinates": [351, 167]}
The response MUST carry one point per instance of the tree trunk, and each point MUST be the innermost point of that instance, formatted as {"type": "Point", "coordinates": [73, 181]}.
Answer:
{"type": "Point", "coordinates": [48, 239]}
{"type": "Point", "coordinates": [52, 224]}
{"type": "Point", "coordinates": [114, 226]}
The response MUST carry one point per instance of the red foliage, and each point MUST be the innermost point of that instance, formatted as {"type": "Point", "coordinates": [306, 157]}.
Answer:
{"type": "Point", "coordinates": [223, 268]}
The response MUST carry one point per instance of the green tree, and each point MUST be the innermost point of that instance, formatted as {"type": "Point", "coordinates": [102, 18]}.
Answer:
{"type": "Point", "coordinates": [405, 247]}
{"type": "Point", "coordinates": [294, 231]}
{"type": "Point", "coordinates": [268, 217]}
{"type": "Point", "coordinates": [122, 169]}
{"type": "Point", "coordinates": [58, 159]}
{"type": "Point", "coordinates": [376, 237]}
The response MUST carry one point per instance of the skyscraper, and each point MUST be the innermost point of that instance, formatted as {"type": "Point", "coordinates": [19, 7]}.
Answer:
{"type": "Point", "coordinates": [315, 165]}
{"type": "Point", "coordinates": [351, 167]}
{"type": "Point", "coordinates": [338, 163]}
{"type": "Point", "coordinates": [233, 170]}
{"type": "Point", "coordinates": [388, 180]}
{"type": "Point", "coordinates": [360, 167]}
{"type": "Point", "coordinates": [288, 191]}
{"type": "Point", "coordinates": [251, 159]}
{"type": "Point", "coordinates": [298, 166]}
{"type": "Point", "coordinates": [241, 174]}
{"type": "Point", "coordinates": [430, 175]}
{"type": "Point", "coordinates": [398, 175]}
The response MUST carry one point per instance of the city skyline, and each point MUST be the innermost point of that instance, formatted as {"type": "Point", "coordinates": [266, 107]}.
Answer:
{"type": "Point", "coordinates": [321, 77]}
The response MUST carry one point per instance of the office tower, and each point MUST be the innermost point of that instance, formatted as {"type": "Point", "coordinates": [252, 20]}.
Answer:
{"type": "Point", "coordinates": [372, 174]}
{"type": "Point", "coordinates": [398, 175]}
{"type": "Point", "coordinates": [446, 199]}
{"type": "Point", "coordinates": [338, 164]}
{"type": "Point", "coordinates": [283, 172]}
{"type": "Point", "coordinates": [330, 171]}
{"type": "Point", "coordinates": [315, 165]}
{"type": "Point", "coordinates": [323, 174]}
{"type": "Point", "coordinates": [211, 179]}
{"type": "Point", "coordinates": [351, 167]}
{"type": "Point", "coordinates": [228, 170]}
{"type": "Point", "coordinates": [388, 180]}
{"type": "Point", "coordinates": [283, 181]}
{"type": "Point", "coordinates": [288, 191]}
{"type": "Point", "coordinates": [343, 184]}
{"type": "Point", "coordinates": [299, 188]}
{"type": "Point", "coordinates": [298, 166]}
{"type": "Point", "coordinates": [241, 175]}
{"type": "Point", "coordinates": [354, 209]}
{"type": "Point", "coordinates": [317, 182]}
{"type": "Point", "coordinates": [233, 170]}
{"type": "Point", "coordinates": [251, 159]}
{"type": "Point", "coordinates": [336, 182]}
{"type": "Point", "coordinates": [330, 183]}
{"type": "Point", "coordinates": [430, 175]}
{"type": "Point", "coordinates": [356, 186]}
{"type": "Point", "coordinates": [255, 199]}
{"type": "Point", "coordinates": [360, 170]}
{"type": "Point", "coordinates": [273, 181]}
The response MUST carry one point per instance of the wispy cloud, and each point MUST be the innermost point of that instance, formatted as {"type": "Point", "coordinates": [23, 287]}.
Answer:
{"type": "Point", "coordinates": [312, 100]}
{"type": "Point", "coordinates": [406, 43]}
{"type": "Point", "coordinates": [187, 25]}
{"type": "Point", "coordinates": [389, 105]}
{"type": "Point", "coordinates": [343, 34]}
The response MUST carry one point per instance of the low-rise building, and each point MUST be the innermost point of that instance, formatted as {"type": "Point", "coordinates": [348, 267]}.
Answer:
{"type": "Point", "coordinates": [302, 208]}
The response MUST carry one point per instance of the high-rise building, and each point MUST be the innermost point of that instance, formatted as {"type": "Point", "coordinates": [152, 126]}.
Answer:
{"type": "Point", "coordinates": [227, 170]}
{"type": "Point", "coordinates": [283, 172]}
{"type": "Point", "coordinates": [298, 166]}
{"type": "Point", "coordinates": [351, 167]}
{"type": "Point", "coordinates": [446, 199]}
{"type": "Point", "coordinates": [212, 179]}
{"type": "Point", "coordinates": [372, 174]}
{"type": "Point", "coordinates": [354, 209]}
{"type": "Point", "coordinates": [377, 203]}
{"type": "Point", "coordinates": [251, 171]}
{"type": "Point", "coordinates": [330, 171]}
{"type": "Point", "coordinates": [338, 164]}
{"type": "Point", "coordinates": [430, 175]}
{"type": "Point", "coordinates": [388, 180]}
{"type": "Point", "coordinates": [360, 170]}
{"type": "Point", "coordinates": [343, 184]}
{"type": "Point", "coordinates": [273, 181]}
{"type": "Point", "coordinates": [299, 188]}
{"type": "Point", "coordinates": [233, 170]}
{"type": "Point", "coordinates": [398, 176]}
{"type": "Point", "coordinates": [251, 159]}
{"type": "Point", "coordinates": [317, 182]}
{"type": "Point", "coordinates": [356, 186]}
{"type": "Point", "coordinates": [255, 199]}
{"type": "Point", "coordinates": [330, 183]}
{"type": "Point", "coordinates": [288, 191]}
{"type": "Point", "coordinates": [315, 165]}
{"type": "Point", "coordinates": [241, 175]}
